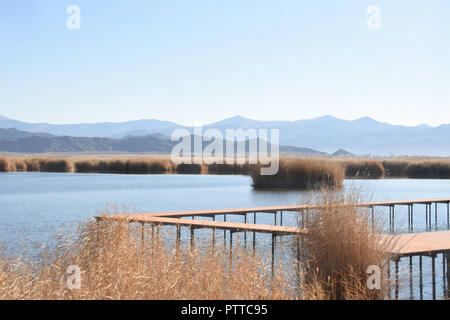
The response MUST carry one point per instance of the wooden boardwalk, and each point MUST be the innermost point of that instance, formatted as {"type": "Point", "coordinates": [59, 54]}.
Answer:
{"type": "Point", "coordinates": [425, 243]}
{"type": "Point", "coordinates": [404, 245]}
{"type": "Point", "coordinates": [202, 224]}
{"type": "Point", "coordinates": [275, 209]}
{"type": "Point", "coordinates": [410, 244]}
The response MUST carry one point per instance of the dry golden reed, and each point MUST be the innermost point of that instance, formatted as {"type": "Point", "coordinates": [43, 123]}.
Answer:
{"type": "Point", "coordinates": [6, 165]}
{"type": "Point", "coordinates": [340, 244]}
{"type": "Point", "coordinates": [429, 170]}
{"type": "Point", "coordinates": [304, 168]}
{"type": "Point", "coordinates": [115, 263]}
{"type": "Point", "coordinates": [364, 169]}
{"type": "Point", "coordinates": [301, 173]}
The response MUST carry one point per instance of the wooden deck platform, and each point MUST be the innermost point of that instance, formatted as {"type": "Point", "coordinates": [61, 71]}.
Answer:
{"type": "Point", "coordinates": [201, 224]}
{"type": "Point", "coordinates": [410, 244]}
{"type": "Point", "coordinates": [275, 209]}
{"type": "Point", "coordinates": [426, 243]}
{"type": "Point", "coordinates": [404, 245]}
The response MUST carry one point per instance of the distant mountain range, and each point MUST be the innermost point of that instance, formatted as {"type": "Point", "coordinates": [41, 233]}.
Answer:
{"type": "Point", "coordinates": [327, 134]}
{"type": "Point", "coordinates": [13, 140]}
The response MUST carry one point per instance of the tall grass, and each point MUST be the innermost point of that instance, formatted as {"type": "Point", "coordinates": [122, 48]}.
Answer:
{"type": "Point", "coordinates": [340, 245]}
{"type": "Point", "coordinates": [301, 173]}
{"type": "Point", "coordinates": [190, 168]}
{"type": "Point", "coordinates": [20, 165]}
{"type": "Point", "coordinates": [116, 264]}
{"type": "Point", "coordinates": [429, 170]}
{"type": "Point", "coordinates": [229, 168]}
{"type": "Point", "coordinates": [364, 169]}
{"type": "Point", "coordinates": [33, 165]}
{"type": "Point", "coordinates": [395, 168]}
{"type": "Point", "coordinates": [56, 165]}
{"type": "Point", "coordinates": [6, 165]}
{"type": "Point", "coordinates": [292, 170]}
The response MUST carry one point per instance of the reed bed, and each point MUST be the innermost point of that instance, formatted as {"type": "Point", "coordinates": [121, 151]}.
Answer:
{"type": "Point", "coordinates": [190, 168]}
{"type": "Point", "coordinates": [293, 170]}
{"type": "Point", "coordinates": [116, 264]}
{"type": "Point", "coordinates": [125, 166]}
{"type": "Point", "coordinates": [418, 168]}
{"type": "Point", "coordinates": [56, 165]}
{"type": "Point", "coordinates": [429, 170]}
{"type": "Point", "coordinates": [20, 165]}
{"type": "Point", "coordinates": [340, 245]}
{"type": "Point", "coordinates": [395, 168]}
{"type": "Point", "coordinates": [364, 169]}
{"type": "Point", "coordinates": [230, 168]}
{"type": "Point", "coordinates": [6, 165]}
{"type": "Point", "coordinates": [301, 173]}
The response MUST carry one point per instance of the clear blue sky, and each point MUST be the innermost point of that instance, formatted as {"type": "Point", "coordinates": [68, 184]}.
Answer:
{"type": "Point", "coordinates": [195, 62]}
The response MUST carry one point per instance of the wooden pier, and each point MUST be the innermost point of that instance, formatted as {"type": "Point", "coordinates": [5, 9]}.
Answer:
{"type": "Point", "coordinates": [427, 244]}
{"type": "Point", "coordinates": [391, 204]}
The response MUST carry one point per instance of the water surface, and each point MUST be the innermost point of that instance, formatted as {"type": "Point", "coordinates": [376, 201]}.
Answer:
{"type": "Point", "coordinates": [36, 206]}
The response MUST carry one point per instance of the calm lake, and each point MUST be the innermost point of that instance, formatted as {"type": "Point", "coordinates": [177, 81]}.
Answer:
{"type": "Point", "coordinates": [36, 206]}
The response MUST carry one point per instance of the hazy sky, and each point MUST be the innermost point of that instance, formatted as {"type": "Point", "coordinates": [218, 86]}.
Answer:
{"type": "Point", "coordinates": [195, 62]}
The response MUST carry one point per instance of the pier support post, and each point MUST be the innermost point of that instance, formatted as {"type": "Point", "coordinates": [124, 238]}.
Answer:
{"type": "Point", "coordinates": [390, 219]}
{"type": "Point", "coordinates": [273, 253]}
{"type": "Point", "coordinates": [142, 235]}
{"type": "Point", "coordinates": [397, 283]}
{"type": "Point", "coordinates": [429, 216]}
{"type": "Point", "coordinates": [389, 277]}
{"type": "Point", "coordinates": [254, 233]}
{"type": "Point", "coordinates": [153, 239]}
{"type": "Point", "coordinates": [420, 277]}
{"type": "Point", "coordinates": [411, 277]}
{"type": "Point", "coordinates": [298, 257]}
{"type": "Point", "coordinates": [231, 250]}
{"type": "Point", "coordinates": [303, 219]}
{"type": "Point", "coordinates": [373, 218]}
{"type": "Point", "coordinates": [447, 254]}
{"type": "Point", "coordinates": [192, 238]}
{"type": "Point", "coordinates": [98, 228]}
{"type": "Point", "coordinates": [245, 232]}
{"type": "Point", "coordinates": [409, 218]}
{"type": "Point", "coordinates": [448, 215]}
{"type": "Point", "coordinates": [444, 282]}
{"type": "Point", "coordinates": [214, 235]}
{"type": "Point", "coordinates": [224, 231]}
{"type": "Point", "coordinates": [435, 216]}
{"type": "Point", "coordinates": [178, 238]}
{"type": "Point", "coordinates": [393, 218]}
{"type": "Point", "coordinates": [433, 274]}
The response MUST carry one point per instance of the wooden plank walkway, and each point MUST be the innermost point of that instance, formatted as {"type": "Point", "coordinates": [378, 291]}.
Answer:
{"type": "Point", "coordinates": [426, 243]}
{"type": "Point", "coordinates": [275, 209]}
{"type": "Point", "coordinates": [201, 224]}
{"type": "Point", "coordinates": [399, 245]}
{"type": "Point", "coordinates": [410, 244]}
